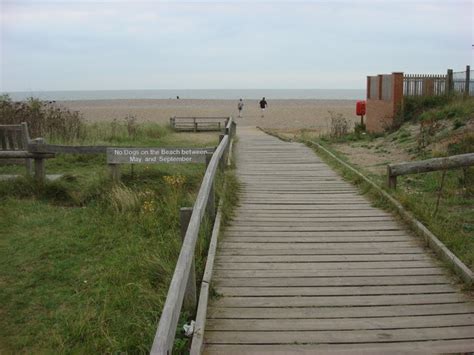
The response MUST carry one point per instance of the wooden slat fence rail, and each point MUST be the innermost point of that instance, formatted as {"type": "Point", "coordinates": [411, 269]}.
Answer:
{"type": "Point", "coordinates": [439, 84]}
{"type": "Point", "coordinates": [196, 124]}
{"type": "Point", "coordinates": [423, 166]}
{"type": "Point", "coordinates": [67, 149]}
{"type": "Point", "coordinates": [424, 85]}
{"type": "Point", "coordinates": [180, 285]}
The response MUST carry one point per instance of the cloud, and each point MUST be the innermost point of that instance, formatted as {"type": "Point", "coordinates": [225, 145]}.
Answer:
{"type": "Point", "coordinates": [143, 44]}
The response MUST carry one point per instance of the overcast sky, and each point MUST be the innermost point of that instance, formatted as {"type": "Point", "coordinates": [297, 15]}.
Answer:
{"type": "Point", "coordinates": [94, 45]}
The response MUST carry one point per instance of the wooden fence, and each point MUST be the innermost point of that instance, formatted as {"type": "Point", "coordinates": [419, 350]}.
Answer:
{"type": "Point", "coordinates": [423, 166]}
{"type": "Point", "coordinates": [183, 286]}
{"type": "Point", "coordinates": [439, 84]}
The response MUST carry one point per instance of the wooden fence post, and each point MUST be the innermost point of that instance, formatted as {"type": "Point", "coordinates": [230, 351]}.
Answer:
{"type": "Point", "coordinates": [114, 170]}
{"type": "Point", "coordinates": [449, 82]}
{"type": "Point", "coordinates": [468, 81]}
{"type": "Point", "coordinates": [26, 141]}
{"type": "Point", "coordinates": [391, 180]}
{"type": "Point", "coordinates": [211, 202]}
{"type": "Point", "coordinates": [190, 300]}
{"type": "Point", "coordinates": [40, 170]}
{"type": "Point", "coordinates": [221, 162]}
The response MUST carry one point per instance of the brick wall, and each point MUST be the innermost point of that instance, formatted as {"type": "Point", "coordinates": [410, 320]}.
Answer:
{"type": "Point", "coordinates": [383, 101]}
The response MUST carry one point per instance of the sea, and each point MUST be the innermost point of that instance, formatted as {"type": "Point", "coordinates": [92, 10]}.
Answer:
{"type": "Point", "coordinates": [203, 94]}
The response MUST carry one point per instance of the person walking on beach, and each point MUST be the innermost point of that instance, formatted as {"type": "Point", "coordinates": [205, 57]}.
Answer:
{"type": "Point", "coordinates": [263, 105]}
{"type": "Point", "coordinates": [240, 106]}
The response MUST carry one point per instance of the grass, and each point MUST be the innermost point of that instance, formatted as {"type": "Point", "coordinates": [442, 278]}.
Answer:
{"type": "Point", "coordinates": [86, 264]}
{"type": "Point", "coordinates": [453, 223]}
{"type": "Point", "coordinates": [443, 131]}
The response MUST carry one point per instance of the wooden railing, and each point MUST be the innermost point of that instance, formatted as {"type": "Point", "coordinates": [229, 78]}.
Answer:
{"type": "Point", "coordinates": [196, 124]}
{"type": "Point", "coordinates": [423, 166]}
{"type": "Point", "coordinates": [182, 286]}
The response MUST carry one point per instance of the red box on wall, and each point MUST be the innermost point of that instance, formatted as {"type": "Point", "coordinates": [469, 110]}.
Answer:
{"type": "Point", "coordinates": [360, 108]}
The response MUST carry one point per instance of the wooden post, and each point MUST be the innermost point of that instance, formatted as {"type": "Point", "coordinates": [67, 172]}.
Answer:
{"type": "Point", "coordinates": [468, 81]}
{"type": "Point", "coordinates": [222, 160]}
{"type": "Point", "coordinates": [114, 170]}
{"type": "Point", "coordinates": [190, 300]}
{"type": "Point", "coordinates": [392, 180]}
{"type": "Point", "coordinates": [211, 203]}
{"type": "Point", "coordinates": [195, 124]}
{"type": "Point", "coordinates": [40, 170]}
{"type": "Point", "coordinates": [26, 141]}
{"type": "Point", "coordinates": [449, 82]}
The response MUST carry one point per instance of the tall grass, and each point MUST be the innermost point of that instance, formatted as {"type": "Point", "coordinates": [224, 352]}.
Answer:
{"type": "Point", "coordinates": [86, 264]}
{"type": "Point", "coordinates": [44, 118]}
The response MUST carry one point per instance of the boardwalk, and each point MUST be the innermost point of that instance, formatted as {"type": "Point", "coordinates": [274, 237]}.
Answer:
{"type": "Point", "coordinates": [309, 264]}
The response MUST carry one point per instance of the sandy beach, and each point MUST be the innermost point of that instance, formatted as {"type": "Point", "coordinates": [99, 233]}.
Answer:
{"type": "Point", "coordinates": [280, 114]}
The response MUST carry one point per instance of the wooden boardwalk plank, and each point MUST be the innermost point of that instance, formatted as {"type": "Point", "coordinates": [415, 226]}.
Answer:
{"type": "Point", "coordinates": [307, 264]}
{"type": "Point", "coordinates": [448, 320]}
{"type": "Point", "coordinates": [330, 281]}
{"type": "Point", "coordinates": [339, 312]}
{"type": "Point", "coordinates": [338, 336]}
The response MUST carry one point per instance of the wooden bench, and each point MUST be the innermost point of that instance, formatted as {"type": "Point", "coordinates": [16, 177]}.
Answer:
{"type": "Point", "coordinates": [196, 124]}
{"type": "Point", "coordinates": [14, 141]}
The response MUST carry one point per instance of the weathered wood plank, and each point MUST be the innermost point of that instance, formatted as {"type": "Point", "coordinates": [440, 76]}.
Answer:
{"type": "Point", "coordinates": [322, 265]}
{"type": "Point", "coordinates": [444, 346]}
{"type": "Point", "coordinates": [220, 274]}
{"type": "Point", "coordinates": [307, 259]}
{"type": "Point", "coordinates": [256, 238]}
{"type": "Point", "coordinates": [340, 336]}
{"type": "Point", "coordinates": [339, 312]}
{"type": "Point", "coordinates": [316, 228]}
{"type": "Point", "coordinates": [448, 320]}
{"type": "Point", "coordinates": [315, 250]}
{"type": "Point", "coordinates": [225, 281]}
{"type": "Point", "coordinates": [317, 258]}
{"type": "Point", "coordinates": [315, 244]}
{"type": "Point", "coordinates": [333, 291]}
{"type": "Point", "coordinates": [423, 166]}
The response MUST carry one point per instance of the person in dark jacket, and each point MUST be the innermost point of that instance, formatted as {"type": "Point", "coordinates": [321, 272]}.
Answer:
{"type": "Point", "coordinates": [263, 105]}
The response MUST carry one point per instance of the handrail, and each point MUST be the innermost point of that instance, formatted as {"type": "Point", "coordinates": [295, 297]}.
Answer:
{"type": "Point", "coordinates": [423, 166]}
{"type": "Point", "coordinates": [164, 337]}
